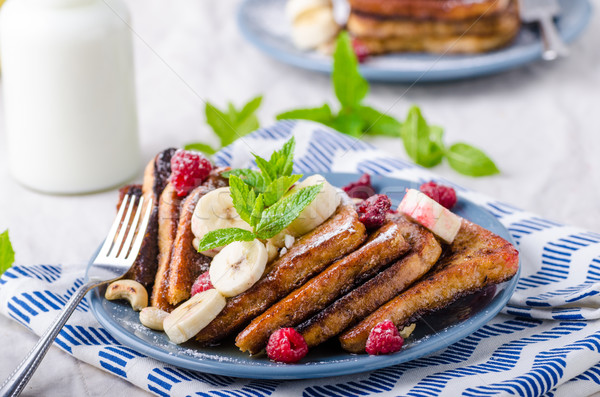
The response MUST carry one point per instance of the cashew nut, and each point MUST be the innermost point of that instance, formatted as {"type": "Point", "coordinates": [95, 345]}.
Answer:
{"type": "Point", "coordinates": [130, 290]}
{"type": "Point", "coordinates": [406, 331]}
{"type": "Point", "coordinates": [153, 318]}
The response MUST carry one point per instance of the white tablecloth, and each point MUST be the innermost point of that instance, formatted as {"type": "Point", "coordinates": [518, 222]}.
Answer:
{"type": "Point", "coordinates": [540, 123]}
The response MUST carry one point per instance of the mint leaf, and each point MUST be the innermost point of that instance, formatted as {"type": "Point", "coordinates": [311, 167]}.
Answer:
{"type": "Point", "coordinates": [267, 171]}
{"type": "Point", "coordinates": [230, 124]}
{"type": "Point", "coordinates": [278, 188]}
{"type": "Point", "coordinates": [221, 123]}
{"type": "Point", "coordinates": [243, 198]}
{"type": "Point", "coordinates": [469, 160]}
{"type": "Point", "coordinates": [259, 207]}
{"type": "Point", "coordinates": [349, 86]}
{"type": "Point", "coordinates": [349, 123]}
{"type": "Point", "coordinates": [7, 254]}
{"type": "Point", "coordinates": [377, 123]}
{"type": "Point", "coordinates": [321, 115]}
{"type": "Point", "coordinates": [250, 177]}
{"type": "Point", "coordinates": [200, 147]}
{"type": "Point", "coordinates": [281, 162]}
{"type": "Point", "coordinates": [417, 140]}
{"type": "Point", "coordinates": [278, 216]}
{"type": "Point", "coordinates": [221, 237]}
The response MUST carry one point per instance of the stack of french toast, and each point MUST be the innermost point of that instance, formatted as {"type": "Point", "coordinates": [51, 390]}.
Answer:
{"type": "Point", "coordinates": [438, 26]}
{"type": "Point", "coordinates": [339, 279]}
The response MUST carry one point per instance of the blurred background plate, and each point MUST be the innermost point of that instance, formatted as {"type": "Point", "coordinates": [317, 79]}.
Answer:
{"type": "Point", "coordinates": [264, 24]}
{"type": "Point", "coordinates": [433, 332]}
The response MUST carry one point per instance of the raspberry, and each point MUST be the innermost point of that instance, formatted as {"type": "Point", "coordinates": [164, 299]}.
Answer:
{"type": "Point", "coordinates": [361, 189]}
{"type": "Point", "coordinates": [445, 195]}
{"type": "Point", "coordinates": [188, 170]}
{"type": "Point", "coordinates": [286, 345]}
{"type": "Point", "coordinates": [361, 50]}
{"type": "Point", "coordinates": [384, 339]}
{"type": "Point", "coordinates": [372, 211]}
{"type": "Point", "coordinates": [202, 284]}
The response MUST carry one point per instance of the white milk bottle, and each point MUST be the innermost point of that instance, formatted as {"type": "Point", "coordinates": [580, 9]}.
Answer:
{"type": "Point", "coordinates": [69, 94]}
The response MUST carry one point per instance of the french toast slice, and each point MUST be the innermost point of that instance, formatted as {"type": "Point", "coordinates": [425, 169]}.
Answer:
{"type": "Point", "coordinates": [186, 263]}
{"type": "Point", "coordinates": [382, 247]}
{"type": "Point", "coordinates": [341, 234]}
{"type": "Point", "coordinates": [168, 219]}
{"type": "Point", "coordinates": [476, 259]}
{"type": "Point", "coordinates": [368, 26]}
{"type": "Point", "coordinates": [430, 9]}
{"type": "Point", "coordinates": [367, 297]}
{"type": "Point", "coordinates": [156, 176]}
{"type": "Point", "coordinates": [476, 34]}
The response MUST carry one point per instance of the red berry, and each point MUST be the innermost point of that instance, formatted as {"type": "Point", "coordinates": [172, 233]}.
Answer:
{"type": "Point", "coordinates": [372, 211]}
{"type": "Point", "coordinates": [286, 345]}
{"type": "Point", "coordinates": [202, 284]}
{"type": "Point", "coordinates": [188, 170]}
{"type": "Point", "coordinates": [361, 50]}
{"type": "Point", "coordinates": [361, 189]}
{"type": "Point", "coordinates": [445, 195]}
{"type": "Point", "coordinates": [384, 339]}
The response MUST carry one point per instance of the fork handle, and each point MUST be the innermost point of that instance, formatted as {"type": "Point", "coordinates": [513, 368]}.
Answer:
{"type": "Point", "coordinates": [554, 46]}
{"type": "Point", "coordinates": [14, 384]}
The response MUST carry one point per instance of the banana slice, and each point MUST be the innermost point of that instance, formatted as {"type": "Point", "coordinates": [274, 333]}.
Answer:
{"type": "Point", "coordinates": [193, 315]}
{"type": "Point", "coordinates": [319, 210]}
{"type": "Point", "coordinates": [215, 211]}
{"type": "Point", "coordinates": [424, 210]}
{"type": "Point", "coordinates": [295, 8]}
{"type": "Point", "coordinates": [238, 266]}
{"type": "Point", "coordinates": [314, 28]}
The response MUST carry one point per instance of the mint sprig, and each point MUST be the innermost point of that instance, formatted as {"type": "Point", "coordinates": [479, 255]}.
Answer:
{"type": "Point", "coordinates": [263, 199]}
{"type": "Point", "coordinates": [353, 118]}
{"type": "Point", "coordinates": [7, 254]}
{"type": "Point", "coordinates": [424, 144]}
{"type": "Point", "coordinates": [228, 124]}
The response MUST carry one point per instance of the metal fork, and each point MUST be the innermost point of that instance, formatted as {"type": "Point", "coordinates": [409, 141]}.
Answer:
{"type": "Point", "coordinates": [544, 11]}
{"type": "Point", "coordinates": [116, 256]}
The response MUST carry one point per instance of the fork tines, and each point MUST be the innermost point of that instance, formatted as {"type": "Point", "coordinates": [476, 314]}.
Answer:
{"type": "Point", "coordinates": [126, 234]}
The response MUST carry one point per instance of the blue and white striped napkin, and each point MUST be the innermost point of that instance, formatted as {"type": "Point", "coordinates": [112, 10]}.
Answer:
{"type": "Point", "coordinates": [545, 342]}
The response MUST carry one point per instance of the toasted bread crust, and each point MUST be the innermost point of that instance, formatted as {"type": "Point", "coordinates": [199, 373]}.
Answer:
{"type": "Point", "coordinates": [340, 234]}
{"type": "Point", "coordinates": [383, 246]}
{"type": "Point", "coordinates": [366, 298]}
{"type": "Point", "coordinates": [186, 263]}
{"type": "Point", "coordinates": [477, 258]}
{"type": "Point", "coordinates": [430, 9]}
{"type": "Point", "coordinates": [156, 176]}
{"type": "Point", "coordinates": [168, 218]}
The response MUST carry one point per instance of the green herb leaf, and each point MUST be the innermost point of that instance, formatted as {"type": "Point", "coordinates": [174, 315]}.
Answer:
{"type": "Point", "coordinates": [250, 177]}
{"type": "Point", "coordinates": [417, 140]}
{"type": "Point", "coordinates": [377, 123]}
{"type": "Point", "coordinates": [221, 237]}
{"type": "Point", "coordinates": [282, 161]}
{"type": "Point", "coordinates": [278, 188]}
{"type": "Point", "coordinates": [221, 123]}
{"type": "Point", "coordinates": [469, 160]}
{"type": "Point", "coordinates": [321, 115]}
{"type": "Point", "coordinates": [267, 171]}
{"type": "Point", "coordinates": [278, 216]}
{"type": "Point", "coordinates": [231, 124]}
{"type": "Point", "coordinates": [200, 147]}
{"type": "Point", "coordinates": [349, 123]}
{"type": "Point", "coordinates": [243, 197]}
{"type": "Point", "coordinates": [349, 86]}
{"type": "Point", "coordinates": [7, 254]}
{"type": "Point", "coordinates": [259, 207]}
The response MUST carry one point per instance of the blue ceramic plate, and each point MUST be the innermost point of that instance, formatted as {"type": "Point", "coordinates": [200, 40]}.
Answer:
{"type": "Point", "coordinates": [264, 24]}
{"type": "Point", "coordinates": [432, 333]}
